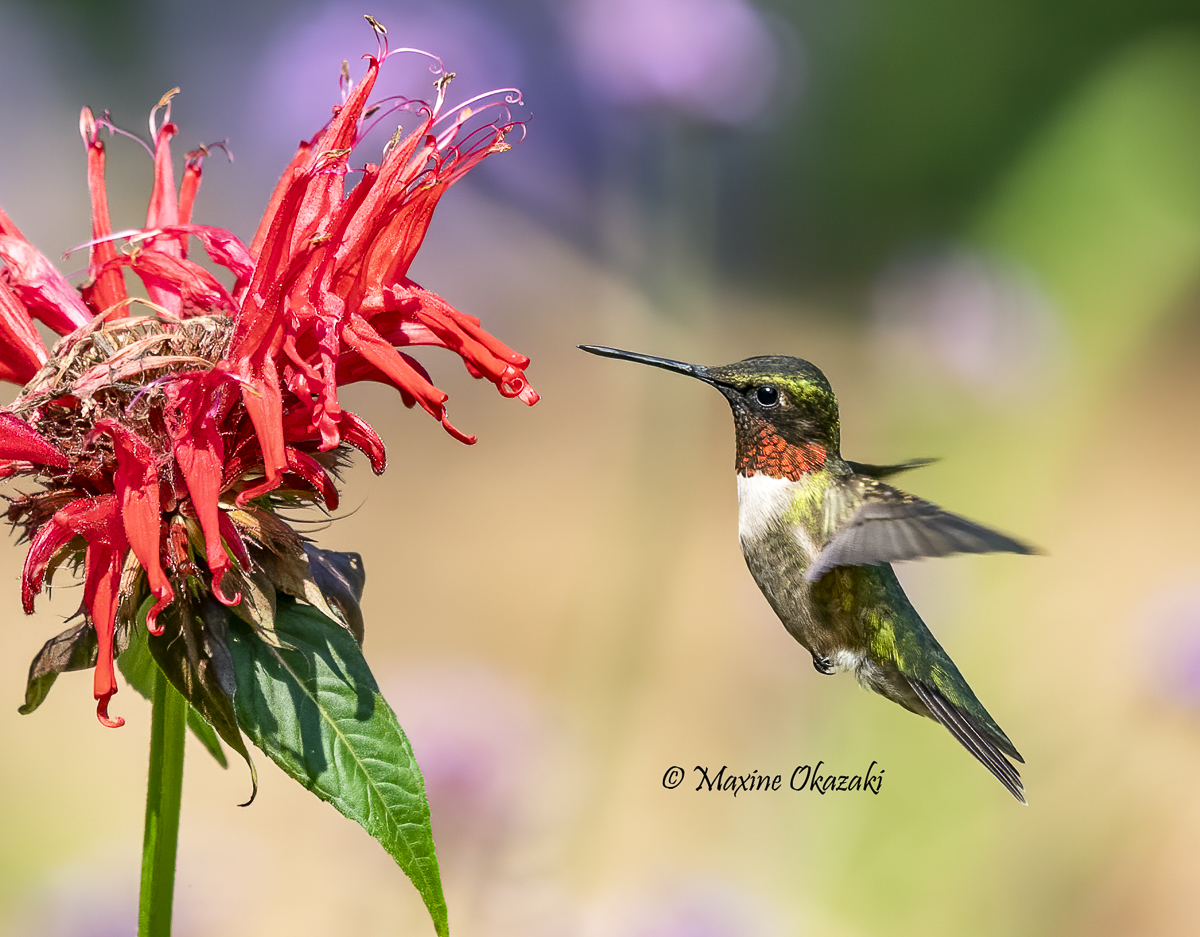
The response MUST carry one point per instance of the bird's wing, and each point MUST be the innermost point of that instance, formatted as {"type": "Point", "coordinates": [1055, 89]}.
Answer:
{"type": "Point", "coordinates": [869, 522]}
{"type": "Point", "coordinates": [975, 736]}
{"type": "Point", "coordinates": [887, 471]}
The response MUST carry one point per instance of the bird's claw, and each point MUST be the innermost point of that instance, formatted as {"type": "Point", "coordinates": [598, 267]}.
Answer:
{"type": "Point", "coordinates": [822, 665]}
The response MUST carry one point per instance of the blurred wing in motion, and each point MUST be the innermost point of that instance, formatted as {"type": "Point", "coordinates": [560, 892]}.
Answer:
{"type": "Point", "coordinates": [887, 471]}
{"type": "Point", "coordinates": [888, 526]}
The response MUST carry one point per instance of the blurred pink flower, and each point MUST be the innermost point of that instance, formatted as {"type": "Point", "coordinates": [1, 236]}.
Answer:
{"type": "Point", "coordinates": [694, 906]}
{"type": "Point", "coordinates": [477, 736]}
{"type": "Point", "coordinates": [976, 319]}
{"type": "Point", "coordinates": [1166, 635]}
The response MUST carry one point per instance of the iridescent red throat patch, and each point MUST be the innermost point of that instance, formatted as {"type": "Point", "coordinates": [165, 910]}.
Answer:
{"type": "Point", "coordinates": [768, 453]}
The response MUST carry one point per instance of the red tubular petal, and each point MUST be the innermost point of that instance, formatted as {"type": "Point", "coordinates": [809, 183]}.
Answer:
{"type": "Point", "coordinates": [398, 326]}
{"type": "Point", "coordinates": [102, 711]}
{"type": "Point", "coordinates": [164, 205]}
{"type": "Point", "coordinates": [309, 191]}
{"type": "Point", "coordinates": [359, 335]}
{"type": "Point", "coordinates": [219, 592]}
{"type": "Point", "coordinates": [229, 533]}
{"type": "Point", "coordinates": [98, 520]}
{"type": "Point", "coordinates": [359, 434]}
{"type": "Point", "coordinates": [457, 433]}
{"type": "Point", "coordinates": [22, 353]}
{"type": "Point", "coordinates": [44, 291]}
{"type": "Point", "coordinates": [7, 227]}
{"type": "Point", "coordinates": [352, 368]}
{"type": "Point", "coordinates": [156, 609]}
{"type": "Point", "coordinates": [264, 404]}
{"type": "Point", "coordinates": [50, 538]}
{"type": "Point", "coordinates": [193, 287]}
{"type": "Point", "coordinates": [463, 334]}
{"type": "Point", "coordinates": [221, 245]}
{"type": "Point", "coordinates": [137, 487]}
{"type": "Point", "coordinates": [108, 288]}
{"type": "Point", "coordinates": [470, 325]}
{"type": "Point", "coordinates": [189, 186]}
{"type": "Point", "coordinates": [399, 242]}
{"type": "Point", "coordinates": [298, 210]}
{"type": "Point", "coordinates": [324, 188]}
{"type": "Point", "coordinates": [164, 210]}
{"type": "Point", "coordinates": [327, 264]}
{"type": "Point", "coordinates": [488, 354]}
{"type": "Point", "coordinates": [395, 242]}
{"type": "Point", "coordinates": [282, 189]}
{"type": "Point", "coordinates": [101, 595]}
{"type": "Point", "coordinates": [308, 468]}
{"type": "Point", "coordinates": [382, 198]}
{"type": "Point", "coordinates": [19, 440]}
{"type": "Point", "coordinates": [193, 403]}
{"type": "Point", "coordinates": [417, 306]}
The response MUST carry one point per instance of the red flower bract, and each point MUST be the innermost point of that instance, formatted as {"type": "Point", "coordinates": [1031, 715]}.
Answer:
{"type": "Point", "coordinates": [163, 440]}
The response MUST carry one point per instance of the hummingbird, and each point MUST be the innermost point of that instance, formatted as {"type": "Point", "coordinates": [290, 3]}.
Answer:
{"type": "Point", "coordinates": [819, 534]}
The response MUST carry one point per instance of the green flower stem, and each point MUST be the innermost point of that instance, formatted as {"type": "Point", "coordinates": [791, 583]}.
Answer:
{"type": "Point", "coordinates": [163, 793]}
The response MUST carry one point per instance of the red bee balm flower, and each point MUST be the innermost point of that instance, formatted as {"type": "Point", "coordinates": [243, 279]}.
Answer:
{"type": "Point", "coordinates": [164, 441]}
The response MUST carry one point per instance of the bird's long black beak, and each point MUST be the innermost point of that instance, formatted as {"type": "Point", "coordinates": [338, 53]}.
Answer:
{"type": "Point", "coordinates": [681, 367]}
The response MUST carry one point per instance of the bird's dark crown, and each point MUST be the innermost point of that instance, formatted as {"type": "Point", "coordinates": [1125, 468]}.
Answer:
{"type": "Point", "coordinates": [791, 394]}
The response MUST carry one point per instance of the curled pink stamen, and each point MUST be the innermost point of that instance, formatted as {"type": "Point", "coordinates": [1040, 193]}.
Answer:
{"type": "Point", "coordinates": [511, 96]}
{"type": "Point", "coordinates": [437, 68]}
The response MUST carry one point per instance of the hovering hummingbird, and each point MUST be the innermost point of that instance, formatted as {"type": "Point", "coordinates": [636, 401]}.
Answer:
{"type": "Point", "coordinates": [819, 533]}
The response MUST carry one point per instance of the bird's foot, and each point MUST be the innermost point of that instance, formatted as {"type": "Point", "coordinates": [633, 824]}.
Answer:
{"type": "Point", "coordinates": [823, 665]}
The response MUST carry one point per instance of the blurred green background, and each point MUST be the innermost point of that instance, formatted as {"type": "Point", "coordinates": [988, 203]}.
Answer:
{"type": "Point", "coordinates": [981, 220]}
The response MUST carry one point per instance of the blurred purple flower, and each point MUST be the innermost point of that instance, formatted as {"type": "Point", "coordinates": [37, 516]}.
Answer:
{"type": "Point", "coordinates": [297, 73]}
{"type": "Point", "coordinates": [715, 60]}
{"type": "Point", "coordinates": [74, 902]}
{"type": "Point", "coordinates": [980, 321]}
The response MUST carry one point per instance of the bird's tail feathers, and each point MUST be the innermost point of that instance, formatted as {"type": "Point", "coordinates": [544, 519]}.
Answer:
{"type": "Point", "coordinates": [974, 736]}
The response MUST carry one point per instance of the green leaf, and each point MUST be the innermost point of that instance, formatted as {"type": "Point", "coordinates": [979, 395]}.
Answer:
{"type": "Point", "coordinates": [316, 711]}
{"type": "Point", "coordinates": [207, 735]}
{"type": "Point", "coordinates": [74, 649]}
{"type": "Point", "coordinates": [340, 577]}
{"type": "Point", "coordinates": [139, 669]}
{"type": "Point", "coordinates": [192, 654]}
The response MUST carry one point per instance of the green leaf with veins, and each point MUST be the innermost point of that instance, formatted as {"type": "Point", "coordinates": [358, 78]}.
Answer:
{"type": "Point", "coordinates": [315, 709]}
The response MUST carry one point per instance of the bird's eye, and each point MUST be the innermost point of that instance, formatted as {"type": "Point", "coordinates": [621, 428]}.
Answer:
{"type": "Point", "coordinates": [767, 395]}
